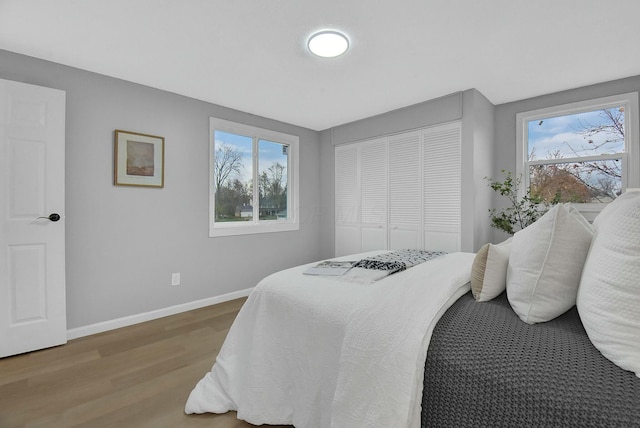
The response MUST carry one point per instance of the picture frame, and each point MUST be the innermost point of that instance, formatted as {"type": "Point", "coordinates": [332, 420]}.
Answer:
{"type": "Point", "coordinates": [138, 159]}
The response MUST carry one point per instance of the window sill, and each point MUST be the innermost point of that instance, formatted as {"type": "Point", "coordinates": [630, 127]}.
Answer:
{"type": "Point", "coordinates": [590, 210]}
{"type": "Point", "coordinates": [234, 229]}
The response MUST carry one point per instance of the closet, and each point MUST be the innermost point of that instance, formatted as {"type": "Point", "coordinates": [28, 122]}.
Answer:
{"type": "Point", "coordinates": [399, 191]}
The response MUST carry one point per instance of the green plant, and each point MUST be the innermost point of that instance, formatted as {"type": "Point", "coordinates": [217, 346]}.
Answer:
{"type": "Point", "coordinates": [521, 212]}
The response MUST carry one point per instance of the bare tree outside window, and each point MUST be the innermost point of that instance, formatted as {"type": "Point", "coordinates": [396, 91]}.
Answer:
{"type": "Point", "coordinates": [253, 181]}
{"type": "Point", "coordinates": [273, 180]}
{"type": "Point", "coordinates": [233, 178]}
{"type": "Point", "coordinates": [578, 157]}
{"type": "Point", "coordinates": [231, 192]}
{"type": "Point", "coordinates": [228, 163]}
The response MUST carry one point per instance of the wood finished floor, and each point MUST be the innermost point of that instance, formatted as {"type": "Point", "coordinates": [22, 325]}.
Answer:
{"type": "Point", "coordinates": [137, 376]}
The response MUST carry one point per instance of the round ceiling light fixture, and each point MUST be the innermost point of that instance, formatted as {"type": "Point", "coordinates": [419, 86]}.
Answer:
{"type": "Point", "coordinates": [328, 43]}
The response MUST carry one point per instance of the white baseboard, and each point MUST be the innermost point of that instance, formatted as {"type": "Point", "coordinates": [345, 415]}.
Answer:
{"type": "Point", "coordinates": [100, 327]}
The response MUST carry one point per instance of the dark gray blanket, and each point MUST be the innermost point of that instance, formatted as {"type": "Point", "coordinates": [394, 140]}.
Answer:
{"type": "Point", "coordinates": [487, 368]}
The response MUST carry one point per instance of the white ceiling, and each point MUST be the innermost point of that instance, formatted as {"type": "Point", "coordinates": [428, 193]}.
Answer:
{"type": "Point", "coordinates": [251, 55]}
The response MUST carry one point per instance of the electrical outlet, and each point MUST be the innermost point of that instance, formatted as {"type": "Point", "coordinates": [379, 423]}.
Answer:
{"type": "Point", "coordinates": [175, 278]}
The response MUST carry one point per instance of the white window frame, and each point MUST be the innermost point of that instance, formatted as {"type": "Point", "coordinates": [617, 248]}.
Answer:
{"type": "Point", "coordinates": [630, 157]}
{"type": "Point", "coordinates": [255, 225]}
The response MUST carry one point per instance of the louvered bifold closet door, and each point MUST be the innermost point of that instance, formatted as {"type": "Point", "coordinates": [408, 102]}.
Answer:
{"type": "Point", "coordinates": [405, 191]}
{"type": "Point", "coordinates": [347, 197]}
{"type": "Point", "coordinates": [442, 187]}
{"type": "Point", "coordinates": [373, 194]}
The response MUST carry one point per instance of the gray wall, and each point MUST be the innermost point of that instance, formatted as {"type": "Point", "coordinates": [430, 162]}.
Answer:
{"type": "Point", "coordinates": [327, 195]}
{"type": "Point", "coordinates": [505, 122]}
{"type": "Point", "coordinates": [478, 115]}
{"type": "Point", "coordinates": [432, 112]}
{"type": "Point", "coordinates": [123, 243]}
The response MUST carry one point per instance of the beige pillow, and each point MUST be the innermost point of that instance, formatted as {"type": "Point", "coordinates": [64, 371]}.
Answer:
{"type": "Point", "coordinates": [609, 295]}
{"type": "Point", "coordinates": [546, 263]}
{"type": "Point", "coordinates": [489, 271]}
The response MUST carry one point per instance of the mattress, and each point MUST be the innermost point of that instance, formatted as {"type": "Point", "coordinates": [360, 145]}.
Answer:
{"type": "Point", "coordinates": [485, 367]}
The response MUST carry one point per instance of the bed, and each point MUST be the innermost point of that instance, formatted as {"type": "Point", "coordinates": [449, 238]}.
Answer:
{"type": "Point", "coordinates": [559, 347]}
{"type": "Point", "coordinates": [316, 351]}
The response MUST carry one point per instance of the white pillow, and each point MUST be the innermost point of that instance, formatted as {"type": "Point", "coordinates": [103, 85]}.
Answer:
{"type": "Point", "coordinates": [489, 271]}
{"type": "Point", "coordinates": [546, 263]}
{"type": "Point", "coordinates": [609, 295]}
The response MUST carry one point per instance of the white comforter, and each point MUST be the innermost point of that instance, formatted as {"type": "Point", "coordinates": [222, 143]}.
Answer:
{"type": "Point", "coordinates": [321, 352]}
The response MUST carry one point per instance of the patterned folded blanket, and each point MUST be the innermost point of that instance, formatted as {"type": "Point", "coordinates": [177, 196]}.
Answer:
{"type": "Point", "coordinates": [378, 267]}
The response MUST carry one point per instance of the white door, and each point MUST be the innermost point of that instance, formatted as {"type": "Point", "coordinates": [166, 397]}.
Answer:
{"type": "Point", "coordinates": [405, 191]}
{"type": "Point", "coordinates": [373, 194]}
{"type": "Point", "coordinates": [442, 187]}
{"type": "Point", "coordinates": [347, 194]}
{"type": "Point", "coordinates": [32, 253]}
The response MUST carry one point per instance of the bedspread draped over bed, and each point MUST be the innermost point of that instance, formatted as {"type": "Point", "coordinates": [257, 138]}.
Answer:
{"type": "Point", "coordinates": [485, 367]}
{"type": "Point", "coordinates": [321, 352]}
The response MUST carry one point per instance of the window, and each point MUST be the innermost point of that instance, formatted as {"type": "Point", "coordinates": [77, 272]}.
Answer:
{"type": "Point", "coordinates": [253, 180]}
{"type": "Point", "coordinates": [585, 153]}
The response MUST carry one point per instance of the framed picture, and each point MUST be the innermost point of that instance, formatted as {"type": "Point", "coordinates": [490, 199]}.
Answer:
{"type": "Point", "coordinates": [138, 159]}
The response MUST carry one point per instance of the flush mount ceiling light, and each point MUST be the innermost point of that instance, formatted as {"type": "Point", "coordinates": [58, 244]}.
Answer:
{"type": "Point", "coordinates": [328, 43]}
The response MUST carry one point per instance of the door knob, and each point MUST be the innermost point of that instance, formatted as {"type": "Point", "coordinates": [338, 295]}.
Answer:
{"type": "Point", "coordinates": [52, 217]}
